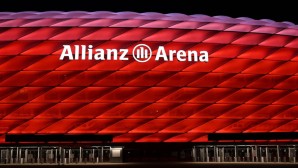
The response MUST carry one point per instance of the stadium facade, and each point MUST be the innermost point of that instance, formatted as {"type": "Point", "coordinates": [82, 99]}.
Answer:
{"type": "Point", "coordinates": [188, 87]}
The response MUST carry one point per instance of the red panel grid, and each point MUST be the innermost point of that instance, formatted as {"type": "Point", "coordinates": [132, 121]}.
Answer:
{"type": "Point", "coordinates": [249, 84]}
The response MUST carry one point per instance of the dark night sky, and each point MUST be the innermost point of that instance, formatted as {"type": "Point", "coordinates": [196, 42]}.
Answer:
{"type": "Point", "coordinates": [284, 10]}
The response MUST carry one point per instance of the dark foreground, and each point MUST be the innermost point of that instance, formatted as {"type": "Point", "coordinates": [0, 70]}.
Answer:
{"type": "Point", "coordinates": [163, 165]}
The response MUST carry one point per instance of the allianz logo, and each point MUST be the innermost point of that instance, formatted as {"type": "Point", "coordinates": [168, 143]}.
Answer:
{"type": "Point", "coordinates": [141, 53]}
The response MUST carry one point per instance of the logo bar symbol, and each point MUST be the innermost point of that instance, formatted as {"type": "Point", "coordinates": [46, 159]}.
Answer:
{"type": "Point", "coordinates": [142, 53]}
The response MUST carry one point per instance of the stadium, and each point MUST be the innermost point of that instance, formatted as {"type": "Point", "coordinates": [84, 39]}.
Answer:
{"type": "Point", "coordinates": [239, 106]}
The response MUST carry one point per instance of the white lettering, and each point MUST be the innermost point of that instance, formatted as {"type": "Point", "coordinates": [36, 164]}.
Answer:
{"type": "Point", "coordinates": [110, 52]}
{"type": "Point", "coordinates": [100, 54]}
{"type": "Point", "coordinates": [66, 52]}
{"type": "Point", "coordinates": [181, 55]}
{"type": "Point", "coordinates": [192, 54]}
{"type": "Point", "coordinates": [123, 55]}
{"type": "Point", "coordinates": [90, 52]}
{"type": "Point", "coordinates": [77, 52]}
{"type": "Point", "coordinates": [161, 52]}
{"type": "Point", "coordinates": [82, 52]}
{"type": "Point", "coordinates": [171, 55]}
{"type": "Point", "coordinates": [204, 57]}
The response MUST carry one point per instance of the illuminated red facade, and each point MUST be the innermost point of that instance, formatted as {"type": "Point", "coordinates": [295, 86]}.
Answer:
{"type": "Point", "coordinates": [249, 84]}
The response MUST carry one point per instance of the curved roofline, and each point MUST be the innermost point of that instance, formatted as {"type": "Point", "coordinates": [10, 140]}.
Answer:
{"type": "Point", "coordinates": [144, 16]}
